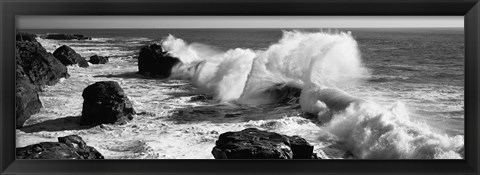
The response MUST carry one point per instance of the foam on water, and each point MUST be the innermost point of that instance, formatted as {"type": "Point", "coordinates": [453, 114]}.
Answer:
{"type": "Point", "coordinates": [378, 132]}
{"type": "Point", "coordinates": [321, 64]}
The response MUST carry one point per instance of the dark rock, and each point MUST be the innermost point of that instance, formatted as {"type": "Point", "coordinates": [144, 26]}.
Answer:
{"type": "Point", "coordinates": [105, 102]}
{"type": "Point", "coordinates": [95, 59]}
{"type": "Point", "coordinates": [26, 37]}
{"type": "Point", "coordinates": [68, 147]}
{"type": "Point", "coordinates": [68, 56]}
{"type": "Point", "coordinates": [35, 67]}
{"type": "Point", "coordinates": [283, 93]}
{"type": "Point", "coordinates": [83, 63]}
{"type": "Point", "coordinates": [39, 65]}
{"type": "Point", "coordinates": [301, 148]}
{"type": "Point", "coordinates": [252, 143]}
{"type": "Point", "coordinates": [27, 102]}
{"type": "Point", "coordinates": [81, 37]}
{"type": "Point", "coordinates": [153, 61]}
{"type": "Point", "coordinates": [62, 36]}
{"type": "Point", "coordinates": [200, 98]}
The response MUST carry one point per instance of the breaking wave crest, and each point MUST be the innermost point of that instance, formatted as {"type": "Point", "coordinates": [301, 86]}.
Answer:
{"type": "Point", "coordinates": [319, 65]}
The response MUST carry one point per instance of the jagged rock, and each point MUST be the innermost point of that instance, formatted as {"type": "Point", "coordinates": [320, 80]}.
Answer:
{"type": "Point", "coordinates": [68, 147]}
{"type": "Point", "coordinates": [62, 36]}
{"type": "Point", "coordinates": [26, 37]}
{"type": "Point", "coordinates": [95, 59]}
{"type": "Point", "coordinates": [35, 67]}
{"type": "Point", "coordinates": [105, 102]}
{"type": "Point", "coordinates": [27, 102]}
{"type": "Point", "coordinates": [252, 143]}
{"type": "Point", "coordinates": [153, 61]}
{"type": "Point", "coordinates": [39, 65]}
{"type": "Point", "coordinates": [68, 56]}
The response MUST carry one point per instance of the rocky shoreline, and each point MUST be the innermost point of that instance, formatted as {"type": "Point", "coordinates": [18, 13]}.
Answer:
{"type": "Point", "coordinates": [105, 102]}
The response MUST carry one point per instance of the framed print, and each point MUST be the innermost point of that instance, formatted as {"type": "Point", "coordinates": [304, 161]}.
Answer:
{"type": "Point", "coordinates": [154, 86]}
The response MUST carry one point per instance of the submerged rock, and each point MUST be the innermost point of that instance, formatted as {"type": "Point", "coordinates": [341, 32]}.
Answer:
{"type": "Point", "coordinates": [252, 143]}
{"type": "Point", "coordinates": [68, 56]}
{"type": "Point", "coordinates": [26, 37]}
{"type": "Point", "coordinates": [105, 102]}
{"type": "Point", "coordinates": [95, 59]}
{"type": "Point", "coordinates": [27, 102]}
{"type": "Point", "coordinates": [153, 61]}
{"type": "Point", "coordinates": [68, 147]}
{"type": "Point", "coordinates": [62, 36]}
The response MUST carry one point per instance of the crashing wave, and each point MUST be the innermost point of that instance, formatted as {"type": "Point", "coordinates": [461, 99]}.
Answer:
{"type": "Point", "coordinates": [314, 67]}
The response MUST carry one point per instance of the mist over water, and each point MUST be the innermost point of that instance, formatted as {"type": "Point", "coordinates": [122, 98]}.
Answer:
{"type": "Point", "coordinates": [320, 64]}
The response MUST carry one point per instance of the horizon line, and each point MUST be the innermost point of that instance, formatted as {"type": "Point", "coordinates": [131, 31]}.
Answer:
{"type": "Point", "coordinates": [221, 22]}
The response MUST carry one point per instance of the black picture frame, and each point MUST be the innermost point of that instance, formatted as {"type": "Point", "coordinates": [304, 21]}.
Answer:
{"type": "Point", "coordinates": [470, 9]}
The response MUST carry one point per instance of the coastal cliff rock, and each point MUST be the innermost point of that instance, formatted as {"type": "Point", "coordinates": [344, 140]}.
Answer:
{"type": "Point", "coordinates": [252, 143]}
{"type": "Point", "coordinates": [154, 62]}
{"type": "Point", "coordinates": [39, 65]}
{"type": "Point", "coordinates": [35, 67]}
{"type": "Point", "coordinates": [26, 37]}
{"type": "Point", "coordinates": [62, 36]}
{"type": "Point", "coordinates": [105, 102]}
{"type": "Point", "coordinates": [95, 59]}
{"type": "Point", "coordinates": [68, 147]}
{"type": "Point", "coordinates": [68, 56]}
{"type": "Point", "coordinates": [27, 102]}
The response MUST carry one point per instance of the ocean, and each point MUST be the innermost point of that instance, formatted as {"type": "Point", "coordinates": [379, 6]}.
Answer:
{"type": "Point", "coordinates": [417, 71]}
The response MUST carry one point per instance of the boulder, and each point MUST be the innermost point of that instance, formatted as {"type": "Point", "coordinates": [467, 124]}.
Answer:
{"type": "Point", "coordinates": [68, 56]}
{"type": "Point", "coordinates": [35, 67]}
{"type": "Point", "coordinates": [95, 59]}
{"type": "Point", "coordinates": [105, 102]}
{"type": "Point", "coordinates": [83, 63]}
{"type": "Point", "coordinates": [26, 37]}
{"type": "Point", "coordinates": [252, 143]}
{"type": "Point", "coordinates": [62, 36]}
{"type": "Point", "coordinates": [27, 102]}
{"type": "Point", "coordinates": [68, 147]}
{"type": "Point", "coordinates": [153, 61]}
{"type": "Point", "coordinates": [40, 66]}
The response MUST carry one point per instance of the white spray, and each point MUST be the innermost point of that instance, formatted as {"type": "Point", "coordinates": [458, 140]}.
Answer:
{"type": "Point", "coordinates": [320, 64]}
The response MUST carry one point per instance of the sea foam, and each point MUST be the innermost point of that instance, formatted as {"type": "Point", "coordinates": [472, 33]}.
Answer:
{"type": "Point", "coordinates": [320, 64]}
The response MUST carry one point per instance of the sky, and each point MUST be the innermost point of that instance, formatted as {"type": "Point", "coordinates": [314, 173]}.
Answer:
{"type": "Point", "coordinates": [79, 22]}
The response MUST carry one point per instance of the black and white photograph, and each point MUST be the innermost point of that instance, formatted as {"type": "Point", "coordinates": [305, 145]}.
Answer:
{"type": "Point", "coordinates": [240, 87]}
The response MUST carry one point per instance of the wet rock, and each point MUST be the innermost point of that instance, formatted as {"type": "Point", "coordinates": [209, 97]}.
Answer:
{"type": "Point", "coordinates": [27, 102]}
{"type": "Point", "coordinates": [62, 36]}
{"type": "Point", "coordinates": [26, 37]}
{"type": "Point", "coordinates": [95, 59]}
{"type": "Point", "coordinates": [68, 147]}
{"type": "Point", "coordinates": [40, 66]}
{"type": "Point", "coordinates": [153, 61]}
{"type": "Point", "coordinates": [35, 67]}
{"type": "Point", "coordinates": [200, 98]}
{"type": "Point", "coordinates": [68, 56]}
{"type": "Point", "coordinates": [82, 37]}
{"type": "Point", "coordinates": [253, 143]}
{"type": "Point", "coordinates": [301, 148]}
{"type": "Point", "coordinates": [283, 93]}
{"type": "Point", "coordinates": [105, 102]}
{"type": "Point", "coordinates": [83, 63]}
